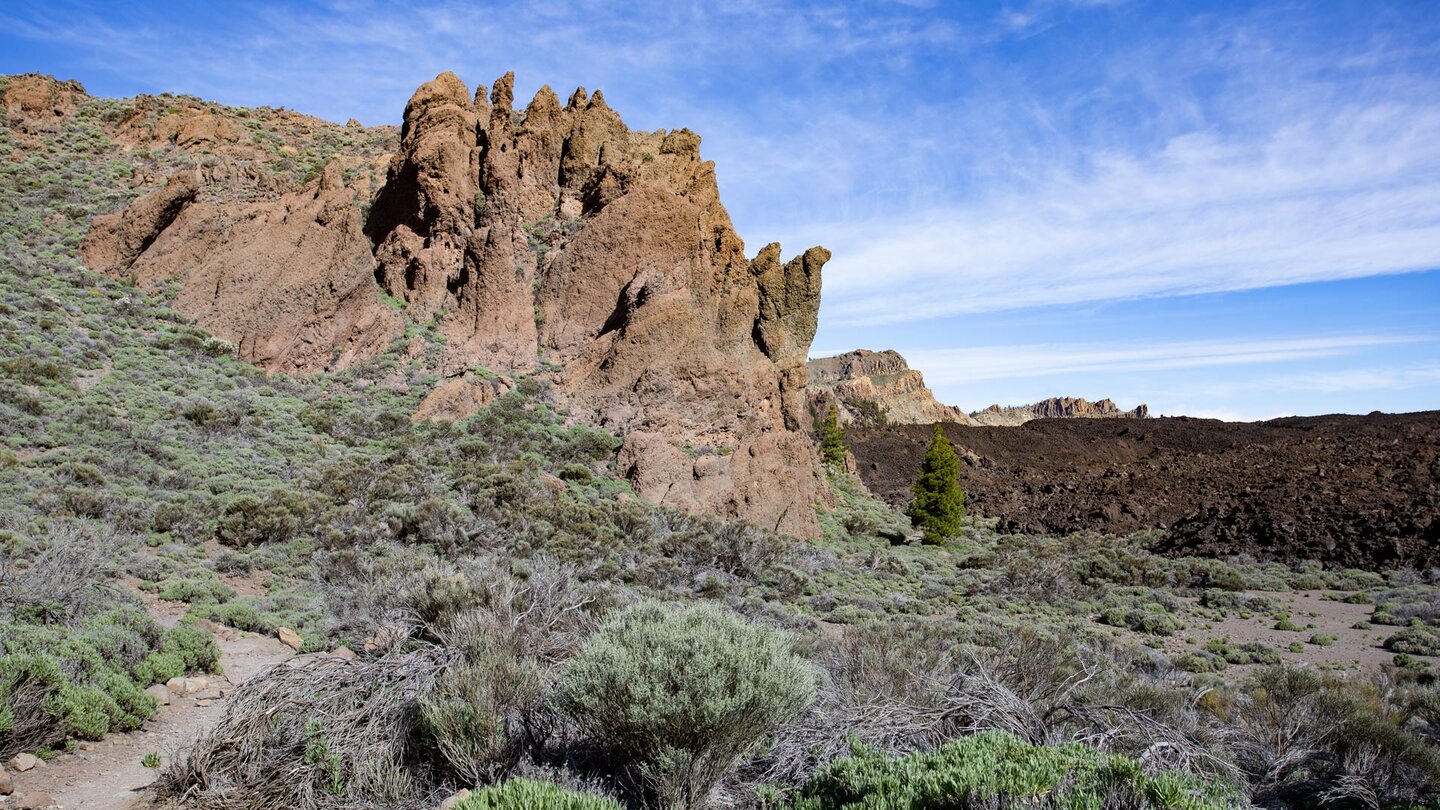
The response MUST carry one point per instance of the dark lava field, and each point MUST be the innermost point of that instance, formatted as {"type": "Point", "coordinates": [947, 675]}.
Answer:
{"type": "Point", "coordinates": [1344, 490]}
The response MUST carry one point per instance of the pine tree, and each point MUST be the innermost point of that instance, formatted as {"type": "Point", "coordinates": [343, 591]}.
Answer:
{"type": "Point", "coordinates": [937, 505]}
{"type": "Point", "coordinates": [832, 440]}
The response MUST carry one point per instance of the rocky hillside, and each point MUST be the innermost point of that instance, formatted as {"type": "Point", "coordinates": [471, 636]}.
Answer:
{"type": "Point", "coordinates": [1359, 491]}
{"type": "Point", "coordinates": [550, 240]}
{"type": "Point", "coordinates": [1056, 408]}
{"type": "Point", "coordinates": [874, 388]}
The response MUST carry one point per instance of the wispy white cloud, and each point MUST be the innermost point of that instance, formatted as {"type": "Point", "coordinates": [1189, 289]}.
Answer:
{"type": "Point", "coordinates": [1352, 191]}
{"type": "Point", "coordinates": [960, 365]}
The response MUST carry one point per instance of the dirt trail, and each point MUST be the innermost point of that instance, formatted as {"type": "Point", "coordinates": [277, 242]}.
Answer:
{"type": "Point", "coordinates": [107, 776]}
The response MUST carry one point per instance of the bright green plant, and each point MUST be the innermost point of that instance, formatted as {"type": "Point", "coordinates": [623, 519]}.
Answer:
{"type": "Point", "coordinates": [528, 794]}
{"type": "Point", "coordinates": [937, 505]}
{"type": "Point", "coordinates": [996, 769]}
{"type": "Point", "coordinates": [150, 760]}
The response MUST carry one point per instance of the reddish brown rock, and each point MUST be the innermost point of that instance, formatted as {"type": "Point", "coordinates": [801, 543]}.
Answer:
{"type": "Point", "coordinates": [115, 241]}
{"type": "Point", "coordinates": [37, 103]}
{"type": "Point", "coordinates": [875, 388]}
{"type": "Point", "coordinates": [556, 234]}
{"type": "Point", "coordinates": [561, 234]}
{"type": "Point", "coordinates": [289, 281]}
{"type": "Point", "coordinates": [458, 398]}
{"type": "Point", "coordinates": [1057, 408]}
{"type": "Point", "coordinates": [34, 800]}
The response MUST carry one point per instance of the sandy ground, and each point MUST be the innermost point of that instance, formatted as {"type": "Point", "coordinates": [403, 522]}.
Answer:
{"type": "Point", "coordinates": [108, 775]}
{"type": "Point", "coordinates": [1354, 650]}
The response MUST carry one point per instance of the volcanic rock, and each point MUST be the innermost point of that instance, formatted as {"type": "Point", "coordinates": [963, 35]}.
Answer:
{"type": "Point", "coordinates": [1360, 491]}
{"type": "Point", "coordinates": [868, 387]}
{"type": "Point", "coordinates": [552, 235]}
{"type": "Point", "coordinates": [290, 281]}
{"type": "Point", "coordinates": [1057, 408]}
{"type": "Point", "coordinates": [37, 103]}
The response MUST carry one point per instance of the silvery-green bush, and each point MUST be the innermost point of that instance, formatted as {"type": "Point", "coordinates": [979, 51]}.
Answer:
{"type": "Point", "coordinates": [683, 693]}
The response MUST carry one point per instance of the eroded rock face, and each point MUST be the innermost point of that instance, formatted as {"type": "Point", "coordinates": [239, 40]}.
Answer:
{"type": "Point", "coordinates": [289, 281]}
{"type": "Point", "coordinates": [559, 235]}
{"type": "Point", "coordinates": [868, 387]}
{"type": "Point", "coordinates": [37, 103]}
{"type": "Point", "coordinates": [1058, 408]}
{"type": "Point", "coordinates": [551, 239]}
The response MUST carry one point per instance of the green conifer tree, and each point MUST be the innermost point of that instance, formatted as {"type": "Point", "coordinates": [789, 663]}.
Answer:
{"type": "Point", "coordinates": [937, 505]}
{"type": "Point", "coordinates": [832, 441]}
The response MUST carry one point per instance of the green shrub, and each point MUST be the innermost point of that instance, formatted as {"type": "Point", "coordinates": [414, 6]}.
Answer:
{"type": "Point", "coordinates": [997, 769]}
{"type": "Point", "coordinates": [681, 694]}
{"type": "Point", "coordinates": [528, 794]}
{"type": "Point", "coordinates": [1285, 623]}
{"type": "Point", "coordinates": [1233, 600]}
{"type": "Point", "coordinates": [196, 591]}
{"type": "Point", "coordinates": [193, 646]}
{"type": "Point", "coordinates": [1250, 652]}
{"type": "Point", "coordinates": [249, 520]}
{"type": "Point", "coordinates": [468, 714]}
{"type": "Point", "coordinates": [318, 755]}
{"type": "Point", "coordinates": [1417, 639]}
{"type": "Point", "coordinates": [160, 667]}
{"type": "Point", "coordinates": [1141, 610]}
{"type": "Point", "coordinates": [150, 760]}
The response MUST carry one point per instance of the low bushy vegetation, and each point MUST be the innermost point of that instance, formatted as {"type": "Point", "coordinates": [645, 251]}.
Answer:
{"type": "Point", "coordinates": [996, 769]}
{"type": "Point", "coordinates": [528, 794]}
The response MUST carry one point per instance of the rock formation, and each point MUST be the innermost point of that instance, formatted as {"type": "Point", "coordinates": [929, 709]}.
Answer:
{"type": "Point", "coordinates": [289, 281]}
{"type": "Point", "coordinates": [1057, 408]}
{"type": "Point", "coordinates": [869, 387]}
{"type": "Point", "coordinates": [36, 103]}
{"type": "Point", "coordinates": [551, 240]}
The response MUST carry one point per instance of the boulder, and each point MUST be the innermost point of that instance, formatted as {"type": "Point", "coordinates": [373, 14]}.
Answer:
{"type": "Point", "coordinates": [24, 762]}
{"type": "Point", "coordinates": [343, 652]}
{"type": "Point", "coordinates": [160, 693]}
{"type": "Point", "coordinates": [34, 800]}
{"type": "Point", "coordinates": [459, 398]}
{"type": "Point", "coordinates": [385, 639]}
{"type": "Point", "coordinates": [7, 784]}
{"type": "Point", "coordinates": [290, 638]}
{"type": "Point", "coordinates": [454, 799]}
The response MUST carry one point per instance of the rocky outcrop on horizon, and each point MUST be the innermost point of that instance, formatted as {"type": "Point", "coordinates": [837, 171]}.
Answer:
{"type": "Point", "coordinates": [550, 240]}
{"type": "Point", "coordinates": [1056, 408]}
{"type": "Point", "coordinates": [868, 387]}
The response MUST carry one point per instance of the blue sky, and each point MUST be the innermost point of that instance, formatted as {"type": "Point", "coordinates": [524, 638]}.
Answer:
{"type": "Point", "coordinates": [1218, 208]}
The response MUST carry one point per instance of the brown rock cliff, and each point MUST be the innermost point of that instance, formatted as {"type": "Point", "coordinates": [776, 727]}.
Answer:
{"type": "Point", "coordinates": [866, 387]}
{"type": "Point", "coordinates": [552, 239]}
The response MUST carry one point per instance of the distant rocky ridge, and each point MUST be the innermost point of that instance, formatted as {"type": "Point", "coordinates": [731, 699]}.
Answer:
{"type": "Point", "coordinates": [877, 388]}
{"type": "Point", "coordinates": [552, 240]}
{"type": "Point", "coordinates": [869, 388]}
{"type": "Point", "coordinates": [1056, 408]}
